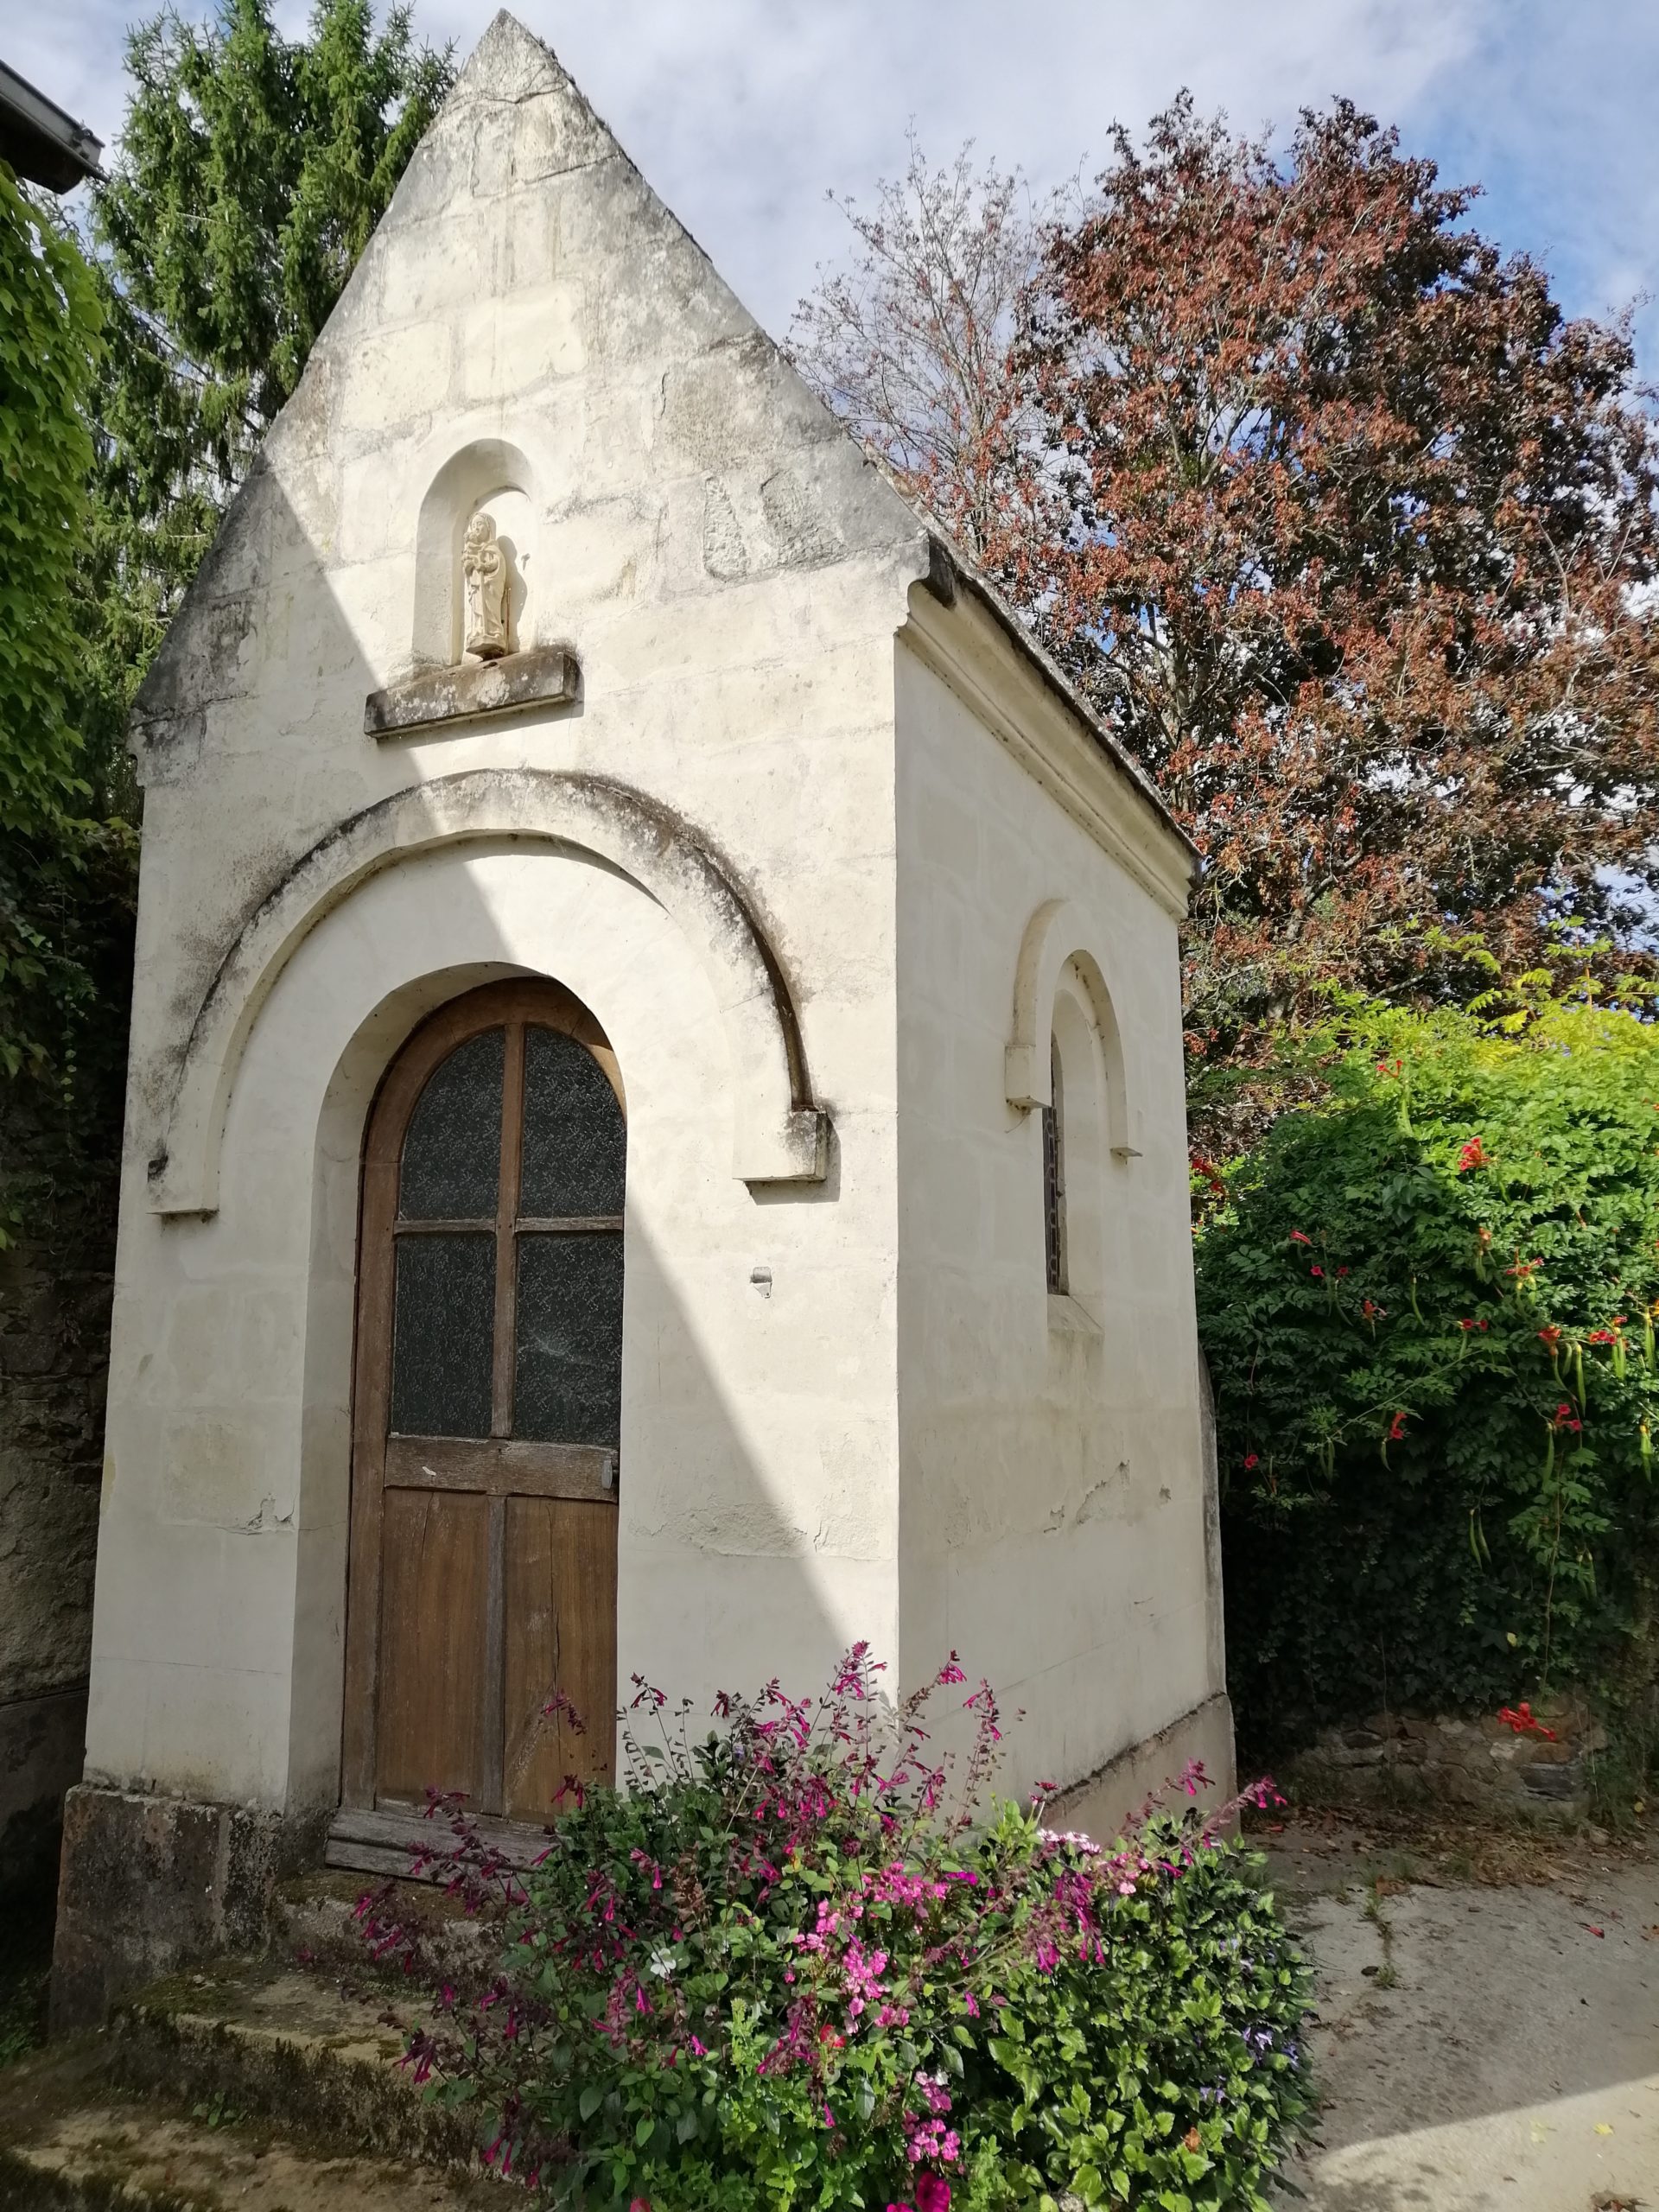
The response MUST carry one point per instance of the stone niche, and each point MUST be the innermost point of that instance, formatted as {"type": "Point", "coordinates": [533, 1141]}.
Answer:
{"type": "Point", "coordinates": [479, 645]}
{"type": "Point", "coordinates": [491, 481]}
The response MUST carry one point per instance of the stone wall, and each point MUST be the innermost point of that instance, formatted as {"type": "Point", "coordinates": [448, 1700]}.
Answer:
{"type": "Point", "coordinates": [55, 1277]}
{"type": "Point", "coordinates": [1482, 1765]}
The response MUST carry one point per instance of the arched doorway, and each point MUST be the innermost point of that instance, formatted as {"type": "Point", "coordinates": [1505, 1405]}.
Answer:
{"type": "Point", "coordinates": [487, 1410]}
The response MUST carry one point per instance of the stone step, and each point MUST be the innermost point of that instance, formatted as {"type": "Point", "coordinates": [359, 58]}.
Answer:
{"type": "Point", "coordinates": [72, 2144]}
{"type": "Point", "coordinates": [315, 2055]}
{"type": "Point", "coordinates": [315, 1925]}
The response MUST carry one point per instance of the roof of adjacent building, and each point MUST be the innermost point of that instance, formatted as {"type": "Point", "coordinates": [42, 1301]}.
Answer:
{"type": "Point", "coordinates": [40, 140]}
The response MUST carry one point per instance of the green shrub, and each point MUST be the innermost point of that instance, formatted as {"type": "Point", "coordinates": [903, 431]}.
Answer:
{"type": "Point", "coordinates": [1427, 1302]}
{"type": "Point", "coordinates": [776, 1974]}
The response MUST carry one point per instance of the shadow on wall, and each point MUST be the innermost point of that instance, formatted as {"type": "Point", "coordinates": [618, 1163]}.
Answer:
{"type": "Point", "coordinates": [739, 1550]}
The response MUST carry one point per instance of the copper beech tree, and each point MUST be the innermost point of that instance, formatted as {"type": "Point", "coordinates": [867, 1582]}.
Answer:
{"type": "Point", "coordinates": [1342, 526]}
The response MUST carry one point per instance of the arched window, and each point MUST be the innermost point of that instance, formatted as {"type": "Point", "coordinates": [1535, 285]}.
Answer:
{"type": "Point", "coordinates": [1080, 1168]}
{"type": "Point", "coordinates": [1054, 1172]}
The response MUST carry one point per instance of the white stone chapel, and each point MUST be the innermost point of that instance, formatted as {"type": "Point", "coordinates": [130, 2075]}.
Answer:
{"type": "Point", "coordinates": [655, 1140]}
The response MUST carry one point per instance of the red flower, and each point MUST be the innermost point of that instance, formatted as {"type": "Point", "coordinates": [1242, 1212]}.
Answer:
{"type": "Point", "coordinates": [1550, 1338]}
{"type": "Point", "coordinates": [1251, 1460]}
{"type": "Point", "coordinates": [1297, 1237]}
{"type": "Point", "coordinates": [1372, 1311]}
{"type": "Point", "coordinates": [1565, 1418]}
{"type": "Point", "coordinates": [1473, 1155]}
{"type": "Point", "coordinates": [1602, 1337]}
{"type": "Point", "coordinates": [1399, 1428]}
{"type": "Point", "coordinates": [1520, 1718]}
{"type": "Point", "coordinates": [1466, 1325]}
{"type": "Point", "coordinates": [1316, 1271]}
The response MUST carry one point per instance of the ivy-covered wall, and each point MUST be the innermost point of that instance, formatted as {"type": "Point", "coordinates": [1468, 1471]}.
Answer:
{"type": "Point", "coordinates": [1428, 1297]}
{"type": "Point", "coordinates": [55, 1280]}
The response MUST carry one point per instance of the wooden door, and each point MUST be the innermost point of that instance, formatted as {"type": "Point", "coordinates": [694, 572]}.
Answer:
{"type": "Point", "coordinates": [487, 1410]}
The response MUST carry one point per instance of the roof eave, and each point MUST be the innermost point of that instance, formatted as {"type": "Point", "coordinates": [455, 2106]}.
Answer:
{"type": "Point", "coordinates": [40, 140]}
{"type": "Point", "coordinates": [951, 570]}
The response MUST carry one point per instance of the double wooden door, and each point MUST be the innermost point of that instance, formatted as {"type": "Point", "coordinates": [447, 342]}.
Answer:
{"type": "Point", "coordinates": [486, 1408]}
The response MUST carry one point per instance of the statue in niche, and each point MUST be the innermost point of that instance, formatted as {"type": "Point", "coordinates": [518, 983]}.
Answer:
{"type": "Point", "coordinates": [486, 576]}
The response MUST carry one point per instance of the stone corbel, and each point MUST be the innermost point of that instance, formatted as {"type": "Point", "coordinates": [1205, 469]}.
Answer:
{"type": "Point", "coordinates": [545, 676]}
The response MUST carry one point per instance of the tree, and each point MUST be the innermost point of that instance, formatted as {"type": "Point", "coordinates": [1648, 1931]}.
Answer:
{"type": "Point", "coordinates": [49, 341]}
{"type": "Point", "coordinates": [910, 342]}
{"type": "Point", "coordinates": [1351, 539]}
{"type": "Point", "coordinates": [251, 172]}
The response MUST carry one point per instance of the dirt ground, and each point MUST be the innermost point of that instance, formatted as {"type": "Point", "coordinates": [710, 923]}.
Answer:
{"type": "Point", "coordinates": [1487, 2036]}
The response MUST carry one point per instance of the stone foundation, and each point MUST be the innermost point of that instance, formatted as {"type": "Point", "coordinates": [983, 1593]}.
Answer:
{"type": "Point", "coordinates": [1101, 1803]}
{"type": "Point", "coordinates": [1482, 1765]}
{"type": "Point", "coordinates": [150, 1884]}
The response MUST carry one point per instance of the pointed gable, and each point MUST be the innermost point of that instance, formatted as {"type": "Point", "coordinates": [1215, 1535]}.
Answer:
{"type": "Point", "coordinates": [527, 287]}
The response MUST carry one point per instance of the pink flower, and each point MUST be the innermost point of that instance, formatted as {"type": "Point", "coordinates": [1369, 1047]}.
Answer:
{"type": "Point", "coordinates": [1297, 1237]}
{"type": "Point", "coordinates": [933, 2193]}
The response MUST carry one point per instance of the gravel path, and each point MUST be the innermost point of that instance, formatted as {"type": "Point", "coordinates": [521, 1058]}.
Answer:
{"type": "Point", "coordinates": [1488, 2019]}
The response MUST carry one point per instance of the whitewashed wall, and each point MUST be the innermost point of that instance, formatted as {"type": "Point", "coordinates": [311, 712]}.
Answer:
{"type": "Point", "coordinates": [1053, 1497]}
{"type": "Point", "coordinates": [905, 1440]}
{"type": "Point", "coordinates": [729, 573]}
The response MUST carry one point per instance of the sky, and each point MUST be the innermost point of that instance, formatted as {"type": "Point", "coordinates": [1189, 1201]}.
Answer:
{"type": "Point", "coordinates": [744, 113]}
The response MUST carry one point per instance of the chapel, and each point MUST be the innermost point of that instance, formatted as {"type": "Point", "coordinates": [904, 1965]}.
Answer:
{"type": "Point", "coordinates": [654, 1145]}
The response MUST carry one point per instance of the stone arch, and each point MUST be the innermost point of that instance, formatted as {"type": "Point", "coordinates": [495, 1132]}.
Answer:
{"type": "Point", "coordinates": [480, 470]}
{"type": "Point", "coordinates": [1057, 937]}
{"type": "Point", "coordinates": [780, 1135]}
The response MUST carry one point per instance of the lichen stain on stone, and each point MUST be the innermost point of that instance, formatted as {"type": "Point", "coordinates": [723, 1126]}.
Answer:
{"type": "Point", "coordinates": [724, 554]}
{"type": "Point", "coordinates": [804, 538]}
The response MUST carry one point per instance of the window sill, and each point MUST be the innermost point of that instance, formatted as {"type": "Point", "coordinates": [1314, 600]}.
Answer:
{"type": "Point", "coordinates": [1067, 1317]}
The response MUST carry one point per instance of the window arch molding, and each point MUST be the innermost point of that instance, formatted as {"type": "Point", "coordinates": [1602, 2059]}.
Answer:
{"type": "Point", "coordinates": [1078, 1210]}
{"type": "Point", "coordinates": [1056, 946]}
{"type": "Point", "coordinates": [781, 1134]}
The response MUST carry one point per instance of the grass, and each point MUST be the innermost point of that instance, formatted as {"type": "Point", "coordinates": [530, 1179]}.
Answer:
{"type": "Point", "coordinates": [1385, 1976]}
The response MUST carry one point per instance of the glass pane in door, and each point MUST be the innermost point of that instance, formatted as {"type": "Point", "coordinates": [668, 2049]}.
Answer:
{"type": "Point", "coordinates": [575, 1144]}
{"type": "Point", "coordinates": [444, 1334]}
{"type": "Point", "coordinates": [452, 1149]}
{"type": "Point", "coordinates": [567, 1388]}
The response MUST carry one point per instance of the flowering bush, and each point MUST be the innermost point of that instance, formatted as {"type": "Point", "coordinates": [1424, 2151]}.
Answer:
{"type": "Point", "coordinates": [1429, 1303]}
{"type": "Point", "coordinates": [779, 1972]}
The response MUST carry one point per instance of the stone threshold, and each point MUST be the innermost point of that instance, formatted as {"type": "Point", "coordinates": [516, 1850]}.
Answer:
{"type": "Point", "coordinates": [389, 1841]}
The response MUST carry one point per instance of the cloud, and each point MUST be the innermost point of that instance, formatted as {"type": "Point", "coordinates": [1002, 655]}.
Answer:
{"type": "Point", "coordinates": [742, 112]}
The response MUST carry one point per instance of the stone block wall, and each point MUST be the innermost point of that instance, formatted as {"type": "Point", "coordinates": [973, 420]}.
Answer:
{"type": "Point", "coordinates": [55, 1283]}
{"type": "Point", "coordinates": [1480, 1766]}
